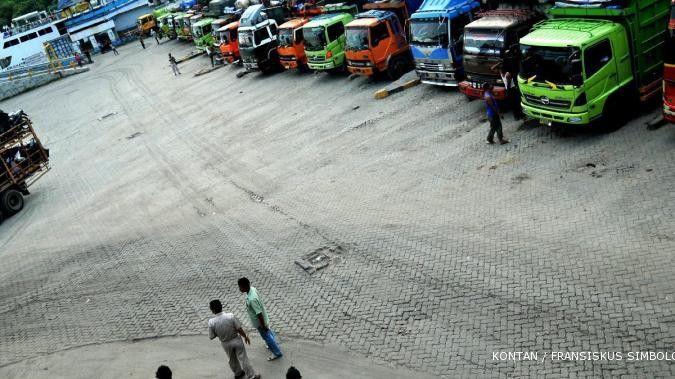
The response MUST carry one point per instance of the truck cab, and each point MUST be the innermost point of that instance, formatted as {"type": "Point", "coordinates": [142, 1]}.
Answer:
{"type": "Point", "coordinates": [229, 43]}
{"type": "Point", "coordinates": [589, 64]}
{"type": "Point", "coordinates": [258, 38]}
{"type": "Point", "coordinates": [145, 23]}
{"type": "Point", "coordinates": [436, 40]}
{"type": "Point", "coordinates": [669, 70]}
{"type": "Point", "coordinates": [377, 39]}
{"type": "Point", "coordinates": [201, 33]}
{"type": "Point", "coordinates": [490, 41]}
{"type": "Point", "coordinates": [292, 44]}
{"type": "Point", "coordinates": [325, 38]}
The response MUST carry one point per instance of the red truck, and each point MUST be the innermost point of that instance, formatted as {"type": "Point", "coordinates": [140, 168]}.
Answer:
{"type": "Point", "coordinates": [669, 70]}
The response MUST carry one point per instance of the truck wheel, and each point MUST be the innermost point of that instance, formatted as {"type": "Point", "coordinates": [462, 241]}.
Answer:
{"type": "Point", "coordinates": [11, 201]}
{"type": "Point", "coordinates": [397, 67]}
{"type": "Point", "coordinates": [613, 114]}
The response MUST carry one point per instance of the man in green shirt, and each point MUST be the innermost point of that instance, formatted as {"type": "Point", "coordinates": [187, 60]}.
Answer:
{"type": "Point", "coordinates": [258, 316]}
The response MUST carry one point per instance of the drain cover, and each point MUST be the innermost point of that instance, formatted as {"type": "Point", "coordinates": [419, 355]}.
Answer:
{"type": "Point", "coordinates": [319, 258]}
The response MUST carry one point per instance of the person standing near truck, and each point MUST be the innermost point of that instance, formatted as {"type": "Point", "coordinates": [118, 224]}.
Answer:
{"type": "Point", "coordinates": [493, 115]}
{"type": "Point", "coordinates": [174, 65]}
{"type": "Point", "coordinates": [512, 92]}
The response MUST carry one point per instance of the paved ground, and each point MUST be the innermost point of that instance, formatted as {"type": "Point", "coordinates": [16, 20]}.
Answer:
{"type": "Point", "coordinates": [442, 250]}
{"type": "Point", "coordinates": [194, 357]}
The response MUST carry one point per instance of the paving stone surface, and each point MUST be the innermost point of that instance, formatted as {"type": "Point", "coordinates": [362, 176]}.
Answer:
{"type": "Point", "coordinates": [442, 250]}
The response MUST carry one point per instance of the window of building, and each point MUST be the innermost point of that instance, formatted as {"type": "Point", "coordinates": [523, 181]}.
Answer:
{"type": "Point", "coordinates": [596, 57]}
{"type": "Point", "coordinates": [44, 31]}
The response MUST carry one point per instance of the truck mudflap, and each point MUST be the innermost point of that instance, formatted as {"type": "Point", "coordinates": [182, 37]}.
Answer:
{"type": "Point", "coordinates": [439, 78]}
{"type": "Point", "coordinates": [669, 113]}
{"type": "Point", "coordinates": [475, 92]}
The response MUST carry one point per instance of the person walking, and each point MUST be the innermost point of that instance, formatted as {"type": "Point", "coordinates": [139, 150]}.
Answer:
{"type": "Point", "coordinates": [174, 65]}
{"type": "Point", "coordinates": [259, 319]}
{"type": "Point", "coordinates": [209, 52]}
{"type": "Point", "coordinates": [493, 115]}
{"type": "Point", "coordinates": [78, 59]}
{"type": "Point", "coordinates": [154, 35]}
{"type": "Point", "coordinates": [228, 329]}
{"type": "Point", "coordinates": [114, 49]}
{"type": "Point", "coordinates": [140, 38]}
{"type": "Point", "coordinates": [87, 53]}
{"type": "Point", "coordinates": [512, 93]}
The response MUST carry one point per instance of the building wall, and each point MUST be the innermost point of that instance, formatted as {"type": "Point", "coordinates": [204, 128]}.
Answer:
{"type": "Point", "coordinates": [126, 21]}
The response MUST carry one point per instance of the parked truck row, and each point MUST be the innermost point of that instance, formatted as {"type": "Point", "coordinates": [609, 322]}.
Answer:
{"type": "Point", "coordinates": [577, 63]}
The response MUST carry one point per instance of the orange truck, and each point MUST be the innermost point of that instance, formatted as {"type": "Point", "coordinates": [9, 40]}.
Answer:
{"type": "Point", "coordinates": [229, 45]}
{"type": "Point", "coordinates": [291, 47]}
{"type": "Point", "coordinates": [669, 70]}
{"type": "Point", "coordinates": [377, 39]}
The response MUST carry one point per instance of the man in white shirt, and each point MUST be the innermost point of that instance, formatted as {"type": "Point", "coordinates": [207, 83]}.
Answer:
{"type": "Point", "coordinates": [228, 329]}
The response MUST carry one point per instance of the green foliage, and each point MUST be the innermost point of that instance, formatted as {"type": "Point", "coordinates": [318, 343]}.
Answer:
{"type": "Point", "coordinates": [14, 8]}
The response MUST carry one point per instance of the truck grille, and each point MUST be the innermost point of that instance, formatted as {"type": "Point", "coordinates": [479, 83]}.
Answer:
{"type": "Point", "coordinates": [430, 66]}
{"type": "Point", "coordinates": [315, 58]}
{"type": "Point", "coordinates": [545, 102]}
{"type": "Point", "coordinates": [286, 57]}
{"type": "Point", "coordinates": [359, 63]}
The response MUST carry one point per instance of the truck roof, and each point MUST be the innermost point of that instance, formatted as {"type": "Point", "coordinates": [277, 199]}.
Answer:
{"type": "Point", "coordinates": [371, 17]}
{"type": "Point", "coordinates": [568, 32]}
{"type": "Point", "coordinates": [363, 22]}
{"type": "Point", "coordinates": [444, 8]}
{"type": "Point", "coordinates": [231, 25]}
{"type": "Point", "coordinates": [204, 22]}
{"type": "Point", "coordinates": [294, 23]}
{"type": "Point", "coordinates": [503, 18]}
{"type": "Point", "coordinates": [325, 19]}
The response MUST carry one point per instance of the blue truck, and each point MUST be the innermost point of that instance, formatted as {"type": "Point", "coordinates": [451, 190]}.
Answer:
{"type": "Point", "coordinates": [436, 40]}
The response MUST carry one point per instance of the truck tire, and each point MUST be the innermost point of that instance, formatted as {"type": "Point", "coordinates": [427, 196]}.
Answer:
{"type": "Point", "coordinates": [614, 113]}
{"type": "Point", "coordinates": [397, 67]}
{"type": "Point", "coordinates": [11, 202]}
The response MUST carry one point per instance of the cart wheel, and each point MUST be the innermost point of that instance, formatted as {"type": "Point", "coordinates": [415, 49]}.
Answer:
{"type": "Point", "coordinates": [11, 202]}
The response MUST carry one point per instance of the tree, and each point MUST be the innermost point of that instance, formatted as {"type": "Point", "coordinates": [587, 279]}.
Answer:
{"type": "Point", "coordinates": [14, 8]}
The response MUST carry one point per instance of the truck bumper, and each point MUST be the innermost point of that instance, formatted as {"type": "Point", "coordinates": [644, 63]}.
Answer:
{"type": "Point", "coordinates": [366, 71]}
{"type": "Point", "coordinates": [668, 113]}
{"type": "Point", "coordinates": [546, 115]}
{"type": "Point", "coordinates": [470, 90]}
{"type": "Point", "coordinates": [289, 65]}
{"type": "Point", "coordinates": [438, 78]}
{"type": "Point", "coordinates": [320, 66]}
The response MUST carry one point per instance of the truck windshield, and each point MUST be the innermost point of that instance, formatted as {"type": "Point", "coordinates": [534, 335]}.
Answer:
{"type": "Point", "coordinates": [224, 37]}
{"type": "Point", "coordinates": [196, 31]}
{"type": "Point", "coordinates": [246, 38]}
{"type": "Point", "coordinates": [315, 38]}
{"type": "Point", "coordinates": [357, 39]}
{"type": "Point", "coordinates": [286, 37]}
{"type": "Point", "coordinates": [483, 41]}
{"type": "Point", "coordinates": [429, 32]}
{"type": "Point", "coordinates": [553, 64]}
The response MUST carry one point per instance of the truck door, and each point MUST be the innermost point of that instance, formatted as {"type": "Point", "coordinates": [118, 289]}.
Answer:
{"type": "Point", "coordinates": [380, 42]}
{"type": "Point", "coordinates": [600, 74]}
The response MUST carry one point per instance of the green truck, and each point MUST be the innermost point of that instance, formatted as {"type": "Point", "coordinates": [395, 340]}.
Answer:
{"type": "Point", "coordinates": [325, 38]}
{"type": "Point", "coordinates": [590, 64]}
{"type": "Point", "coordinates": [201, 33]}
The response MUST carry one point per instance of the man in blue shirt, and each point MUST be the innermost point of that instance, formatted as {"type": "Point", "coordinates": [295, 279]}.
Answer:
{"type": "Point", "coordinates": [493, 115]}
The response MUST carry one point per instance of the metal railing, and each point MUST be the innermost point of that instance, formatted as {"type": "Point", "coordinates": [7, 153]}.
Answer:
{"type": "Point", "coordinates": [41, 68]}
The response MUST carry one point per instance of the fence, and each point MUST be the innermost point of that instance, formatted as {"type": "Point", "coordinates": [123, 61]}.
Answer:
{"type": "Point", "coordinates": [45, 67]}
